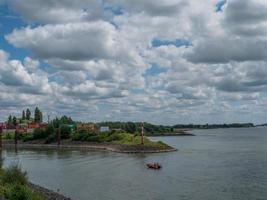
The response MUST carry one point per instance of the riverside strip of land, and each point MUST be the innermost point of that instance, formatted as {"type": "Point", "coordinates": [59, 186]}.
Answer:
{"type": "Point", "coordinates": [153, 147]}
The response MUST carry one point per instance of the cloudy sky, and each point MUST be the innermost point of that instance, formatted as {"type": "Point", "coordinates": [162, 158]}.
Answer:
{"type": "Point", "coordinates": [161, 61]}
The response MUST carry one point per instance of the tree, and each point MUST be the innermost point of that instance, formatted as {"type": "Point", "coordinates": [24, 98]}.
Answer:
{"type": "Point", "coordinates": [130, 127]}
{"type": "Point", "coordinates": [14, 121]}
{"type": "Point", "coordinates": [28, 114]}
{"type": "Point", "coordinates": [23, 115]}
{"type": "Point", "coordinates": [38, 115]}
{"type": "Point", "coordinates": [10, 121]}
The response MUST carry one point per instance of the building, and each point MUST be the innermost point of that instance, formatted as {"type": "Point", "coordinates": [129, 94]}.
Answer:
{"type": "Point", "coordinates": [90, 127]}
{"type": "Point", "coordinates": [2, 125]}
{"type": "Point", "coordinates": [104, 129]}
{"type": "Point", "coordinates": [33, 125]}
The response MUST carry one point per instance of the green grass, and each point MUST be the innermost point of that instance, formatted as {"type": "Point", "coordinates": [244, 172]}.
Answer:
{"type": "Point", "coordinates": [13, 185]}
{"type": "Point", "coordinates": [115, 138]}
{"type": "Point", "coordinates": [129, 139]}
{"type": "Point", "coordinates": [9, 136]}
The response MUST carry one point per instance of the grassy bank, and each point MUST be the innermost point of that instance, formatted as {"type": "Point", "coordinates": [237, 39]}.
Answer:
{"type": "Point", "coordinates": [120, 138]}
{"type": "Point", "coordinates": [117, 139]}
{"type": "Point", "coordinates": [13, 185]}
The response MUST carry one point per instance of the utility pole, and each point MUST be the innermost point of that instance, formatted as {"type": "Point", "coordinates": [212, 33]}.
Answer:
{"type": "Point", "coordinates": [16, 138]}
{"type": "Point", "coordinates": [48, 119]}
{"type": "Point", "coordinates": [1, 130]}
{"type": "Point", "coordinates": [142, 133]}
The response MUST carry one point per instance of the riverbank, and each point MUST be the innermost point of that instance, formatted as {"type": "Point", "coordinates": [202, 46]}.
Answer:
{"type": "Point", "coordinates": [67, 144]}
{"type": "Point", "coordinates": [48, 194]}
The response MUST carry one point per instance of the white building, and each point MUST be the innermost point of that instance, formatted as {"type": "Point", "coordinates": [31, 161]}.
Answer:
{"type": "Point", "coordinates": [104, 129]}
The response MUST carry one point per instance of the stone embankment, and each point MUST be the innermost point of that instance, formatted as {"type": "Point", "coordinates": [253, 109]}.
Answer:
{"type": "Point", "coordinates": [93, 147]}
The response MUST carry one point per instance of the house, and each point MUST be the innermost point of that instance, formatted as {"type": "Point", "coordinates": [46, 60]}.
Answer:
{"type": "Point", "coordinates": [90, 127]}
{"type": "Point", "coordinates": [104, 129]}
{"type": "Point", "coordinates": [2, 125]}
{"type": "Point", "coordinates": [33, 125]}
{"type": "Point", "coordinates": [43, 125]}
{"type": "Point", "coordinates": [22, 128]}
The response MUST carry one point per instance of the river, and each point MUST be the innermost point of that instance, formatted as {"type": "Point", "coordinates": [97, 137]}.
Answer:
{"type": "Point", "coordinates": [219, 164]}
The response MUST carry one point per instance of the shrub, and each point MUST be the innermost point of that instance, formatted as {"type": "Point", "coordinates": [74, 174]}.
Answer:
{"type": "Point", "coordinates": [84, 135]}
{"type": "Point", "coordinates": [14, 175]}
{"type": "Point", "coordinates": [51, 138]}
{"type": "Point", "coordinates": [27, 137]}
{"type": "Point", "coordinates": [22, 192]}
{"type": "Point", "coordinates": [9, 136]}
{"type": "Point", "coordinates": [18, 192]}
{"type": "Point", "coordinates": [65, 131]}
{"type": "Point", "coordinates": [39, 133]}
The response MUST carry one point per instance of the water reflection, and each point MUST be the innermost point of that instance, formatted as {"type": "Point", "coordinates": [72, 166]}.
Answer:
{"type": "Point", "coordinates": [215, 164]}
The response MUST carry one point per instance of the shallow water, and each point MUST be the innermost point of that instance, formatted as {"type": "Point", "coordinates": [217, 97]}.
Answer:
{"type": "Point", "coordinates": [219, 164]}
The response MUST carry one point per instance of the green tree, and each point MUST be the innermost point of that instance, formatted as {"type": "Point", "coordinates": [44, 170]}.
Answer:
{"type": "Point", "coordinates": [38, 115]}
{"type": "Point", "coordinates": [130, 127]}
{"type": "Point", "coordinates": [14, 121]}
{"type": "Point", "coordinates": [10, 121]}
{"type": "Point", "coordinates": [23, 115]}
{"type": "Point", "coordinates": [28, 114]}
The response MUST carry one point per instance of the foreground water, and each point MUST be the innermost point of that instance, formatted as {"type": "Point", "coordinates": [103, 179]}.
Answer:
{"type": "Point", "coordinates": [214, 165]}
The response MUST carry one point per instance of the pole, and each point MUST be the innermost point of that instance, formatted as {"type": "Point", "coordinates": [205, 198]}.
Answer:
{"type": "Point", "coordinates": [142, 133]}
{"type": "Point", "coordinates": [16, 138]}
{"type": "Point", "coordinates": [1, 142]}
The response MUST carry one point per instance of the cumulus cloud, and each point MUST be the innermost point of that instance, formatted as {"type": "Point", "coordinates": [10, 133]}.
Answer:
{"type": "Point", "coordinates": [91, 56]}
{"type": "Point", "coordinates": [78, 41]}
{"type": "Point", "coordinates": [58, 11]}
{"type": "Point", "coordinates": [14, 73]}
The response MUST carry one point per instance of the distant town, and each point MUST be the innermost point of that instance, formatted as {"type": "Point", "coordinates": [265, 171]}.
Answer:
{"type": "Point", "coordinates": [28, 122]}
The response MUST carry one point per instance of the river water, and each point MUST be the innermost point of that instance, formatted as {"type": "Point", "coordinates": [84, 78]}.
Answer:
{"type": "Point", "coordinates": [219, 164]}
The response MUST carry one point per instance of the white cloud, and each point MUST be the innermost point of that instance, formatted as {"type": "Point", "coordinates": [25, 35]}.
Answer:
{"type": "Point", "coordinates": [100, 62]}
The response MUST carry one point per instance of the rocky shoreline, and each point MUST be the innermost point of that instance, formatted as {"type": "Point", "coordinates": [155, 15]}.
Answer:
{"type": "Point", "coordinates": [49, 194]}
{"type": "Point", "coordinates": [92, 147]}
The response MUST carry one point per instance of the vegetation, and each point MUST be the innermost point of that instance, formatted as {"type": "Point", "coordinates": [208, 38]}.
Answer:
{"type": "Point", "coordinates": [38, 115]}
{"type": "Point", "coordinates": [13, 185]}
{"type": "Point", "coordinates": [121, 138]}
{"type": "Point", "coordinates": [213, 126]}
{"type": "Point", "coordinates": [150, 129]}
{"type": "Point", "coordinates": [28, 114]}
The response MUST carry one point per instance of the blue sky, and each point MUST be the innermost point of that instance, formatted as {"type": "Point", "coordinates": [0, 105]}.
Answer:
{"type": "Point", "coordinates": [165, 61]}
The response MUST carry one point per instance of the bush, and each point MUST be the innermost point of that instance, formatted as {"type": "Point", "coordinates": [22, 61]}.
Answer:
{"type": "Point", "coordinates": [18, 192]}
{"type": "Point", "coordinates": [9, 136]}
{"type": "Point", "coordinates": [14, 175]}
{"type": "Point", "coordinates": [65, 131]}
{"type": "Point", "coordinates": [51, 138]}
{"type": "Point", "coordinates": [22, 192]}
{"type": "Point", "coordinates": [27, 137]}
{"type": "Point", "coordinates": [39, 133]}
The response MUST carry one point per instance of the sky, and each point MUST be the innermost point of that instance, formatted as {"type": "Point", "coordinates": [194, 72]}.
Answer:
{"type": "Point", "coordinates": [160, 61]}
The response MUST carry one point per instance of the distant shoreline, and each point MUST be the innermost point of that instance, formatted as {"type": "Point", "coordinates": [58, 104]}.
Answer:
{"type": "Point", "coordinates": [177, 134]}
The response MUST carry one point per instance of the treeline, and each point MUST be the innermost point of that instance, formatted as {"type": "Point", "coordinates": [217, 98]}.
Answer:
{"type": "Point", "coordinates": [213, 126]}
{"type": "Point", "coordinates": [133, 127]}
{"type": "Point", "coordinates": [26, 116]}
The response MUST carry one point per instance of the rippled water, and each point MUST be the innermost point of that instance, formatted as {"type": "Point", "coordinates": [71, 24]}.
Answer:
{"type": "Point", "coordinates": [220, 164]}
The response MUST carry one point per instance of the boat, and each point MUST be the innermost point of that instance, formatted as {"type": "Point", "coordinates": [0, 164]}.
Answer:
{"type": "Point", "coordinates": [153, 166]}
